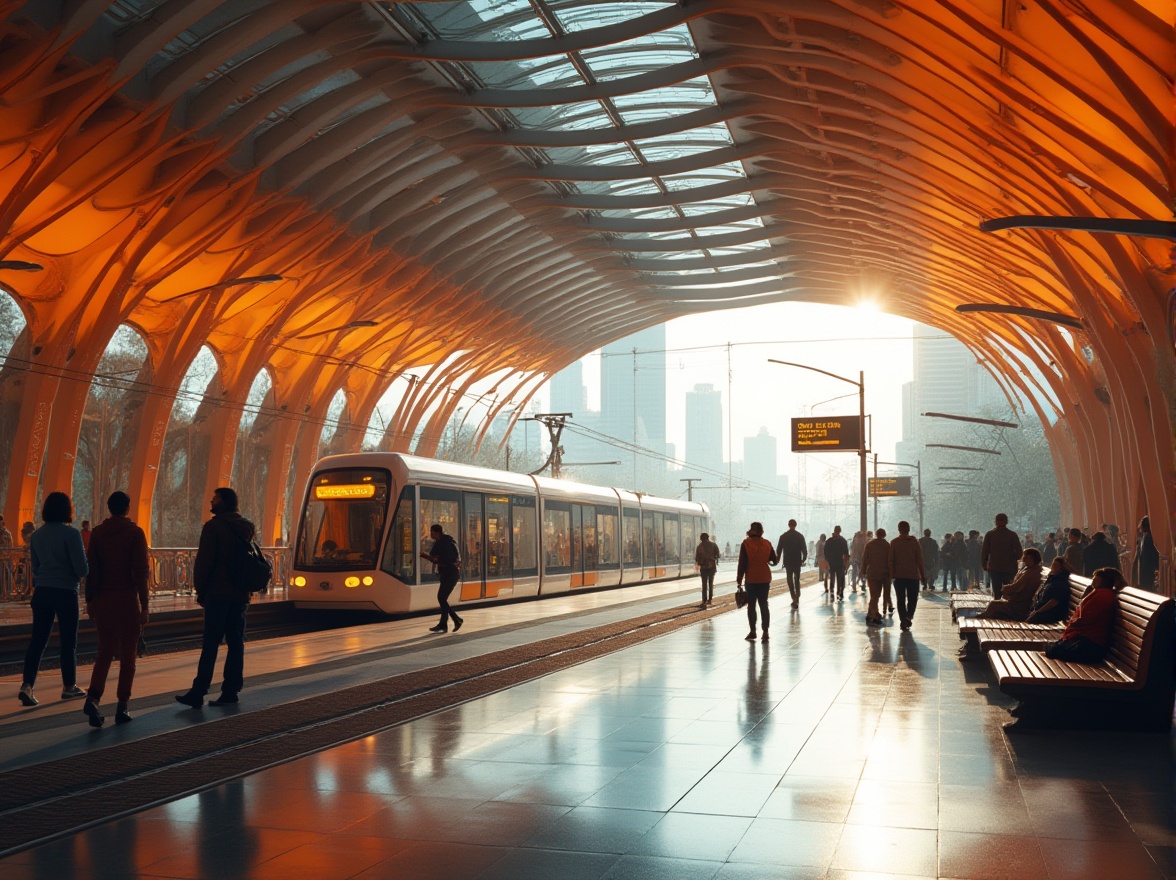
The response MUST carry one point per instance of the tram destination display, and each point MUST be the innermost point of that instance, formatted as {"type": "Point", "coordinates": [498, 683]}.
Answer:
{"type": "Point", "coordinates": [827, 434]}
{"type": "Point", "coordinates": [889, 487]}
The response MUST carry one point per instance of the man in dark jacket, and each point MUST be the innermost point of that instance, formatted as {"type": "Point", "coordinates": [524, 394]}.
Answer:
{"type": "Point", "coordinates": [793, 551]}
{"type": "Point", "coordinates": [224, 541]}
{"type": "Point", "coordinates": [1000, 553]}
{"type": "Point", "coordinates": [1101, 553]}
{"type": "Point", "coordinates": [445, 556]}
{"type": "Point", "coordinates": [837, 555]}
{"type": "Point", "coordinates": [975, 574]}
{"type": "Point", "coordinates": [930, 548]}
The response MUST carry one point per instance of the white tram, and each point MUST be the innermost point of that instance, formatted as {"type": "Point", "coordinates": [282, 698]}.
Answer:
{"type": "Point", "coordinates": [365, 521]}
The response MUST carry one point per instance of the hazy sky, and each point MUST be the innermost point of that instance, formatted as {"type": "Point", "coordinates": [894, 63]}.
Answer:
{"type": "Point", "coordinates": [836, 339]}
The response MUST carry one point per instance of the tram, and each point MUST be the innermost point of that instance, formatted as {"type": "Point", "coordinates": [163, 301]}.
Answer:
{"type": "Point", "coordinates": [365, 521]}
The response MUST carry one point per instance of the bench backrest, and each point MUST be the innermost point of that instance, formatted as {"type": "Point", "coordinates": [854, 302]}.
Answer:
{"type": "Point", "coordinates": [1078, 587]}
{"type": "Point", "coordinates": [1140, 614]}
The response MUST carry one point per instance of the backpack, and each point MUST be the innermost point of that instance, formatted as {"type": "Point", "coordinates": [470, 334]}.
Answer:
{"type": "Point", "coordinates": [251, 571]}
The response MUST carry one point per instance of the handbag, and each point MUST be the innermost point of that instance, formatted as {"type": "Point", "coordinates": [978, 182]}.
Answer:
{"type": "Point", "coordinates": [740, 597]}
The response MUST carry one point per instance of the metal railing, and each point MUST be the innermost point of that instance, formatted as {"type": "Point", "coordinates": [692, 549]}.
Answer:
{"type": "Point", "coordinates": [171, 571]}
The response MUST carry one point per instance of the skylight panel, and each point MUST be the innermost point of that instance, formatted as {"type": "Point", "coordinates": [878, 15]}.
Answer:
{"type": "Point", "coordinates": [581, 116]}
{"type": "Point", "coordinates": [693, 94]}
{"type": "Point", "coordinates": [536, 73]}
{"type": "Point", "coordinates": [583, 15]}
{"type": "Point", "coordinates": [497, 20]}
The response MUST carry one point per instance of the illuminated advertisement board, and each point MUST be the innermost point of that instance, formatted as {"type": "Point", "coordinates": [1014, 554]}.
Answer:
{"type": "Point", "coordinates": [827, 434]}
{"type": "Point", "coordinates": [889, 487]}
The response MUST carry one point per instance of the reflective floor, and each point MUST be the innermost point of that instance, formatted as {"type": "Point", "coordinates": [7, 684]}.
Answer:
{"type": "Point", "coordinates": [827, 752]}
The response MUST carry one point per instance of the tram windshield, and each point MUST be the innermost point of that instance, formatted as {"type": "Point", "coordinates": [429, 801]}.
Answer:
{"type": "Point", "coordinates": [343, 520]}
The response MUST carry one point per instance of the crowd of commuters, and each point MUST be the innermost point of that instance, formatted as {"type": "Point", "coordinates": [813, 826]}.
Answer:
{"type": "Point", "coordinates": [108, 568]}
{"type": "Point", "coordinates": [1029, 580]}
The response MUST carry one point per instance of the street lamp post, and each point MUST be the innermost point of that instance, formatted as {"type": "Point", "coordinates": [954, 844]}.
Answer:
{"type": "Point", "coordinates": [862, 452]}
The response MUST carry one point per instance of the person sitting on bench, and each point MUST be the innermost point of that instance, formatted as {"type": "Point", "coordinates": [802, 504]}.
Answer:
{"type": "Point", "coordinates": [1016, 599]}
{"type": "Point", "coordinates": [1088, 634]}
{"type": "Point", "coordinates": [1051, 604]}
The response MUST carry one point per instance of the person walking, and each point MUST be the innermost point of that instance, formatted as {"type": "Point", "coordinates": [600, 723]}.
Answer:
{"type": "Point", "coordinates": [59, 564]}
{"type": "Point", "coordinates": [86, 532]}
{"type": "Point", "coordinates": [876, 565]}
{"type": "Point", "coordinates": [116, 599]}
{"type": "Point", "coordinates": [930, 548]}
{"type": "Point", "coordinates": [947, 561]}
{"type": "Point", "coordinates": [756, 558]}
{"type": "Point", "coordinates": [975, 573]}
{"type": "Point", "coordinates": [837, 555]}
{"type": "Point", "coordinates": [1000, 553]}
{"type": "Point", "coordinates": [792, 551]}
{"type": "Point", "coordinates": [857, 546]}
{"type": "Point", "coordinates": [223, 543]}
{"type": "Point", "coordinates": [1147, 557]}
{"type": "Point", "coordinates": [445, 556]}
{"type": "Point", "coordinates": [908, 569]}
{"type": "Point", "coordinates": [822, 563]}
{"type": "Point", "coordinates": [706, 557]}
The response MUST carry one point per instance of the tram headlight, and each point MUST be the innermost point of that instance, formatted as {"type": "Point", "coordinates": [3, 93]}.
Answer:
{"type": "Point", "coordinates": [368, 581]}
{"type": "Point", "coordinates": [351, 582]}
{"type": "Point", "coordinates": [300, 581]}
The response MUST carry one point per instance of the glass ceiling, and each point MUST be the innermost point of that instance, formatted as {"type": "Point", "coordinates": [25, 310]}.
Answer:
{"type": "Point", "coordinates": [505, 21]}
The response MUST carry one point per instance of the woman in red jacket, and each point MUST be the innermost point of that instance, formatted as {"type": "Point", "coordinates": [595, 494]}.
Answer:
{"type": "Point", "coordinates": [1088, 634]}
{"type": "Point", "coordinates": [756, 558]}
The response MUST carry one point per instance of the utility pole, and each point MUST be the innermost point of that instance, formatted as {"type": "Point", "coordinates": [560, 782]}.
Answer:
{"type": "Point", "coordinates": [875, 493]}
{"type": "Point", "coordinates": [690, 481]}
{"type": "Point", "coordinates": [554, 422]}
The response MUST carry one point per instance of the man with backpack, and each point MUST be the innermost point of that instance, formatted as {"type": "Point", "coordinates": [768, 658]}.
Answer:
{"type": "Point", "coordinates": [223, 577]}
{"type": "Point", "coordinates": [445, 556]}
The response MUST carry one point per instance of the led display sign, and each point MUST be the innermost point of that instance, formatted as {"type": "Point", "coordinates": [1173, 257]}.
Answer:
{"type": "Point", "coordinates": [827, 434]}
{"type": "Point", "coordinates": [889, 487]}
{"type": "Point", "coordinates": [345, 490]}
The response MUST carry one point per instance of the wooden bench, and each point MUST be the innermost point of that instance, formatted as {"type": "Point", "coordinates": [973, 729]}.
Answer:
{"type": "Point", "coordinates": [980, 635]}
{"type": "Point", "coordinates": [1133, 688]}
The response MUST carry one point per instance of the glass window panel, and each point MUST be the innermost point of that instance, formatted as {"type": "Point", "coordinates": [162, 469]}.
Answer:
{"type": "Point", "coordinates": [673, 539]}
{"type": "Point", "coordinates": [607, 537]}
{"type": "Point", "coordinates": [524, 532]}
{"type": "Point", "coordinates": [553, 72]}
{"type": "Point", "coordinates": [631, 555]}
{"type": "Point", "coordinates": [578, 15]}
{"type": "Point", "coordinates": [471, 537]}
{"type": "Point", "coordinates": [579, 116]}
{"type": "Point", "coordinates": [577, 538]}
{"type": "Point", "coordinates": [649, 538]}
{"type": "Point", "coordinates": [498, 555]}
{"type": "Point", "coordinates": [692, 94]}
{"type": "Point", "coordinates": [689, 538]}
{"type": "Point", "coordinates": [557, 539]}
{"type": "Point", "coordinates": [482, 19]}
{"type": "Point", "coordinates": [344, 520]}
{"type": "Point", "coordinates": [400, 552]}
{"type": "Point", "coordinates": [443, 507]}
{"type": "Point", "coordinates": [599, 154]}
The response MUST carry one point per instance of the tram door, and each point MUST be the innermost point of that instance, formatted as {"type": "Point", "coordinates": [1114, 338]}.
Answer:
{"type": "Point", "coordinates": [473, 548]}
{"type": "Point", "coordinates": [499, 567]}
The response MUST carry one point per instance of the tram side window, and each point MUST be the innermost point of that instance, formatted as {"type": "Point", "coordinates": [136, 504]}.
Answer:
{"type": "Point", "coordinates": [557, 542]}
{"type": "Point", "coordinates": [631, 554]}
{"type": "Point", "coordinates": [591, 539]}
{"type": "Point", "coordinates": [689, 538]}
{"type": "Point", "coordinates": [606, 536]}
{"type": "Point", "coordinates": [524, 532]}
{"type": "Point", "coordinates": [497, 537]}
{"type": "Point", "coordinates": [650, 537]}
{"type": "Point", "coordinates": [673, 547]}
{"type": "Point", "coordinates": [400, 553]}
{"type": "Point", "coordinates": [441, 506]}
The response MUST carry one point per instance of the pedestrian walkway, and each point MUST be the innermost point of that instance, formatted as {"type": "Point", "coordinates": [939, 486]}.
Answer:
{"type": "Point", "coordinates": [830, 751]}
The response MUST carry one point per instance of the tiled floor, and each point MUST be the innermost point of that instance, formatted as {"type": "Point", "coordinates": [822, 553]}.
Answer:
{"type": "Point", "coordinates": [828, 752]}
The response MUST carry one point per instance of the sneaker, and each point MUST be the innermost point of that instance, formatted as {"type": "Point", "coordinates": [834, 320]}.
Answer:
{"type": "Point", "coordinates": [95, 717]}
{"type": "Point", "coordinates": [26, 695]}
{"type": "Point", "coordinates": [191, 698]}
{"type": "Point", "coordinates": [764, 637]}
{"type": "Point", "coordinates": [225, 699]}
{"type": "Point", "coordinates": [906, 624]}
{"type": "Point", "coordinates": [122, 716]}
{"type": "Point", "coordinates": [72, 692]}
{"type": "Point", "coordinates": [457, 623]}
{"type": "Point", "coordinates": [438, 629]}
{"type": "Point", "coordinates": [750, 637]}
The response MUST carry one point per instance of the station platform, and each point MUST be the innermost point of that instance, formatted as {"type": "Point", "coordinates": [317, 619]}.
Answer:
{"type": "Point", "coordinates": [831, 751]}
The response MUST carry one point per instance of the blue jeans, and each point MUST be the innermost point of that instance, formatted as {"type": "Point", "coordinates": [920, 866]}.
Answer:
{"type": "Point", "coordinates": [223, 619]}
{"type": "Point", "coordinates": [49, 603]}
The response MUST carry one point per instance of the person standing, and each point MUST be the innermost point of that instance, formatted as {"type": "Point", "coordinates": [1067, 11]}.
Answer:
{"type": "Point", "coordinates": [86, 532]}
{"type": "Point", "coordinates": [1000, 553]}
{"type": "Point", "coordinates": [1049, 549]}
{"type": "Point", "coordinates": [1101, 553]}
{"type": "Point", "coordinates": [947, 560]}
{"type": "Point", "coordinates": [6, 576]}
{"type": "Point", "coordinates": [876, 565]}
{"type": "Point", "coordinates": [756, 558]}
{"type": "Point", "coordinates": [222, 545]}
{"type": "Point", "coordinates": [706, 557]}
{"type": "Point", "coordinates": [445, 556]}
{"type": "Point", "coordinates": [857, 546]}
{"type": "Point", "coordinates": [975, 573]}
{"type": "Point", "coordinates": [822, 562]}
{"type": "Point", "coordinates": [930, 548]}
{"type": "Point", "coordinates": [116, 599]}
{"type": "Point", "coordinates": [5, 535]}
{"type": "Point", "coordinates": [907, 568]}
{"type": "Point", "coordinates": [1073, 551]}
{"type": "Point", "coordinates": [837, 555]}
{"type": "Point", "coordinates": [59, 564]}
{"type": "Point", "coordinates": [792, 551]}
{"type": "Point", "coordinates": [26, 533]}
{"type": "Point", "coordinates": [1147, 557]}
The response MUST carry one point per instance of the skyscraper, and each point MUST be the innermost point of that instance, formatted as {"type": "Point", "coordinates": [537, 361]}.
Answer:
{"type": "Point", "coordinates": [759, 460]}
{"type": "Point", "coordinates": [704, 428]}
{"type": "Point", "coordinates": [633, 388]}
